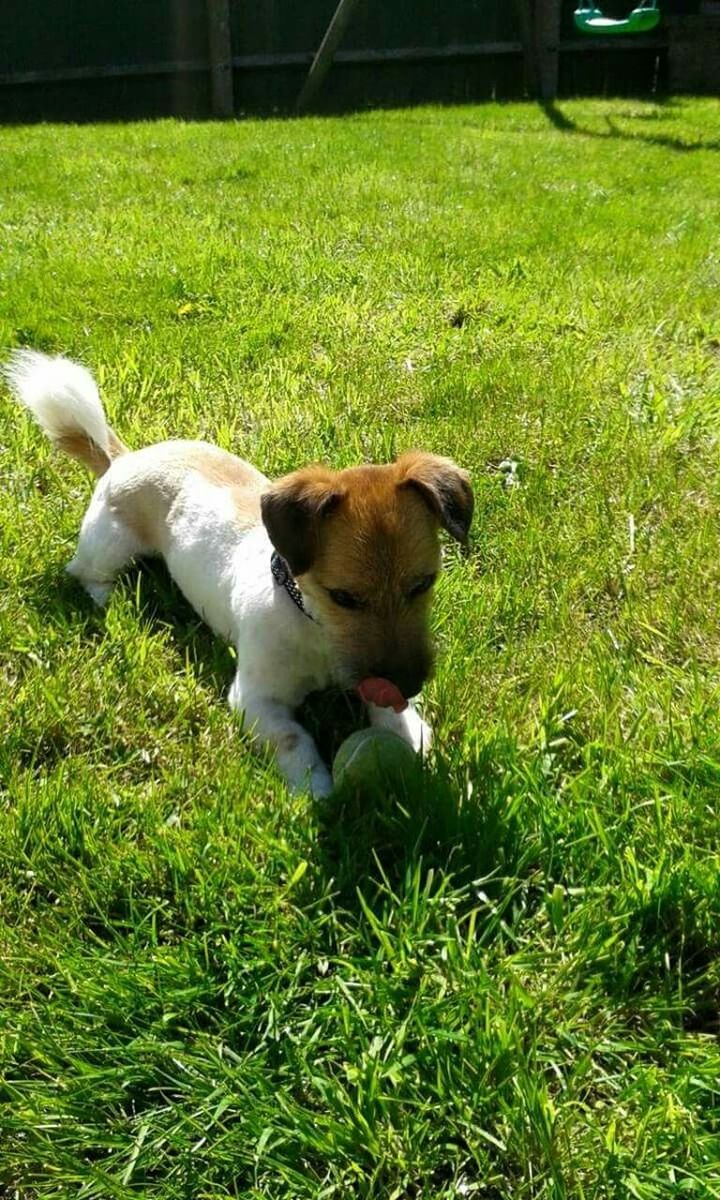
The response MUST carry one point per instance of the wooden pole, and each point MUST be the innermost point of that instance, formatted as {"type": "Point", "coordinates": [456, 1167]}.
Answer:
{"type": "Point", "coordinates": [524, 15]}
{"type": "Point", "coordinates": [547, 41]}
{"type": "Point", "coordinates": [323, 59]}
{"type": "Point", "coordinates": [220, 47]}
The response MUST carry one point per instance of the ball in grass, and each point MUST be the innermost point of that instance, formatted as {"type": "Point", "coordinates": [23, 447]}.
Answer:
{"type": "Point", "coordinates": [374, 760]}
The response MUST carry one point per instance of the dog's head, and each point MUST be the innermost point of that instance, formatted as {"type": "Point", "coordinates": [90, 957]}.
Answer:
{"type": "Point", "coordinates": [363, 544]}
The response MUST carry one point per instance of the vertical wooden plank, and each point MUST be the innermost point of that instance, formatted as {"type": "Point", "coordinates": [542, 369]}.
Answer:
{"type": "Point", "coordinates": [547, 39]}
{"type": "Point", "coordinates": [323, 59]}
{"type": "Point", "coordinates": [219, 43]}
{"type": "Point", "coordinates": [524, 18]}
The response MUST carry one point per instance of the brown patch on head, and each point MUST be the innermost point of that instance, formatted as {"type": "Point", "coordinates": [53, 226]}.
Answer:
{"type": "Point", "coordinates": [444, 486]}
{"type": "Point", "coordinates": [364, 543]}
{"type": "Point", "coordinates": [294, 511]}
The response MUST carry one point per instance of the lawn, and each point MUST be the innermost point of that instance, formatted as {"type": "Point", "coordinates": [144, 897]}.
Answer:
{"type": "Point", "coordinates": [505, 984]}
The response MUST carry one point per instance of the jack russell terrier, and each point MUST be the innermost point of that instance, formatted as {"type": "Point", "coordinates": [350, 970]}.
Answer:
{"type": "Point", "coordinates": [320, 579]}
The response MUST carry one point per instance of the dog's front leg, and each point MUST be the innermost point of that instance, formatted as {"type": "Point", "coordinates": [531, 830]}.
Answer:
{"type": "Point", "coordinates": [408, 725]}
{"type": "Point", "coordinates": [272, 723]}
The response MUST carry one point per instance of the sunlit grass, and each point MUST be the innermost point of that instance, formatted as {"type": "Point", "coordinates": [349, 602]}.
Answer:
{"type": "Point", "coordinates": [504, 986]}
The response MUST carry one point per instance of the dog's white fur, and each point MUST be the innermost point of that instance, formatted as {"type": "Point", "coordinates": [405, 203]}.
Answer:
{"type": "Point", "coordinates": [216, 549]}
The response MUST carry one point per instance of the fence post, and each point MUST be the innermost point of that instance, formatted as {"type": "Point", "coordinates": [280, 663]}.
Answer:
{"type": "Point", "coordinates": [524, 16]}
{"type": "Point", "coordinates": [220, 46]}
{"type": "Point", "coordinates": [547, 39]}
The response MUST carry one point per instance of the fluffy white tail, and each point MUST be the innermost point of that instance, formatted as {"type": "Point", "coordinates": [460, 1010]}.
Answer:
{"type": "Point", "coordinates": [63, 398]}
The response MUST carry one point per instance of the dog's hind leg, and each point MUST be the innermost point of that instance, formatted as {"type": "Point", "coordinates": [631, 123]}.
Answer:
{"type": "Point", "coordinates": [106, 545]}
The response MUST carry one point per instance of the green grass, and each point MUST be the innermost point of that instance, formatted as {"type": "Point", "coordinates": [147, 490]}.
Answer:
{"type": "Point", "coordinates": [504, 985]}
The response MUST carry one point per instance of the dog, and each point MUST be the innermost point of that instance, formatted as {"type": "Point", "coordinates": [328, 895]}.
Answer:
{"type": "Point", "coordinates": [320, 579]}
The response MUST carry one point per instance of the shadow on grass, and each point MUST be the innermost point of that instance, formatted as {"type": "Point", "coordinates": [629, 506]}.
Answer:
{"type": "Point", "coordinates": [565, 124]}
{"type": "Point", "coordinates": [159, 606]}
{"type": "Point", "coordinates": [60, 600]}
{"type": "Point", "coordinates": [669, 946]}
{"type": "Point", "coordinates": [162, 607]}
{"type": "Point", "coordinates": [458, 819]}
{"type": "Point", "coordinates": [458, 822]}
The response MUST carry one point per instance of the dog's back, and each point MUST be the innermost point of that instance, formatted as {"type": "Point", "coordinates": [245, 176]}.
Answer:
{"type": "Point", "coordinates": [140, 493]}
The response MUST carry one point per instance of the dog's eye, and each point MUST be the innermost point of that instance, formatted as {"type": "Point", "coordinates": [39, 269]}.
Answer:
{"type": "Point", "coordinates": [423, 585]}
{"type": "Point", "coordinates": [344, 599]}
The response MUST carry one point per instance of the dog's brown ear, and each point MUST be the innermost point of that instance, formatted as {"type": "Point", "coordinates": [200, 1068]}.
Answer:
{"type": "Point", "coordinates": [444, 486]}
{"type": "Point", "coordinates": [292, 511]}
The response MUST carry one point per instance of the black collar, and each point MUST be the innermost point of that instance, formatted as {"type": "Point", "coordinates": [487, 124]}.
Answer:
{"type": "Point", "coordinates": [283, 577]}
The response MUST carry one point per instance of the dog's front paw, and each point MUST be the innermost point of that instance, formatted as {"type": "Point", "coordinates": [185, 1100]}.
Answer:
{"type": "Point", "coordinates": [418, 733]}
{"type": "Point", "coordinates": [408, 725]}
{"type": "Point", "coordinates": [320, 782]}
{"type": "Point", "coordinates": [309, 780]}
{"type": "Point", "coordinates": [422, 742]}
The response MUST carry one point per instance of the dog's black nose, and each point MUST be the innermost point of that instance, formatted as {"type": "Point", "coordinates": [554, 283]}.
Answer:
{"type": "Point", "coordinates": [408, 680]}
{"type": "Point", "coordinates": [410, 685]}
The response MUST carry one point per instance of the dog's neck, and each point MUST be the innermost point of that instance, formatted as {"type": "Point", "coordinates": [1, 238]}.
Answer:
{"type": "Point", "coordinates": [283, 578]}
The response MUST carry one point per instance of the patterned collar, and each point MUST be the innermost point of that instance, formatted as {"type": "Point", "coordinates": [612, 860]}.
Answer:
{"type": "Point", "coordinates": [283, 578]}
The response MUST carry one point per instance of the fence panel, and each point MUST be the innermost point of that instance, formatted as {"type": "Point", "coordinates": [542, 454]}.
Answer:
{"type": "Point", "coordinates": [104, 59]}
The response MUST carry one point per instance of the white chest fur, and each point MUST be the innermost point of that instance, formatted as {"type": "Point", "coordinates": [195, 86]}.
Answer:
{"type": "Point", "coordinates": [224, 571]}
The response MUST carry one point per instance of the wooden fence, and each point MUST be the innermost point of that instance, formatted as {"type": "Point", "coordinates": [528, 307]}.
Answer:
{"type": "Point", "coordinates": [110, 59]}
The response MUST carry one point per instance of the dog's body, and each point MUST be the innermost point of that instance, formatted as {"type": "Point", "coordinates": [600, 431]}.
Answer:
{"type": "Point", "coordinates": [362, 545]}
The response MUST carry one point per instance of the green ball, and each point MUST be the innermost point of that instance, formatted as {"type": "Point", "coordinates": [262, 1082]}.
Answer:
{"type": "Point", "coordinates": [374, 760]}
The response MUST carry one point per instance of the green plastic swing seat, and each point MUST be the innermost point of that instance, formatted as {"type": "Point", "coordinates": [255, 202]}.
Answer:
{"type": "Point", "coordinates": [590, 19]}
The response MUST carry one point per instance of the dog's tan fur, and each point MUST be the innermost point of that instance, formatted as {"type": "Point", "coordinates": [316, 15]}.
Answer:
{"type": "Point", "coordinates": [86, 451]}
{"type": "Point", "coordinates": [362, 544]}
{"type": "Point", "coordinates": [145, 488]}
{"type": "Point", "coordinates": [145, 492]}
{"type": "Point", "coordinates": [368, 531]}
{"type": "Point", "coordinates": [372, 532]}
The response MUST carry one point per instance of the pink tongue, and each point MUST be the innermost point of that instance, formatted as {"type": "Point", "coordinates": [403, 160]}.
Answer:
{"type": "Point", "coordinates": [383, 693]}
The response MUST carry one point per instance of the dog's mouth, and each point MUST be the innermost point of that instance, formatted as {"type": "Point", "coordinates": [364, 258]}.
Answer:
{"type": "Point", "coordinates": [381, 692]}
